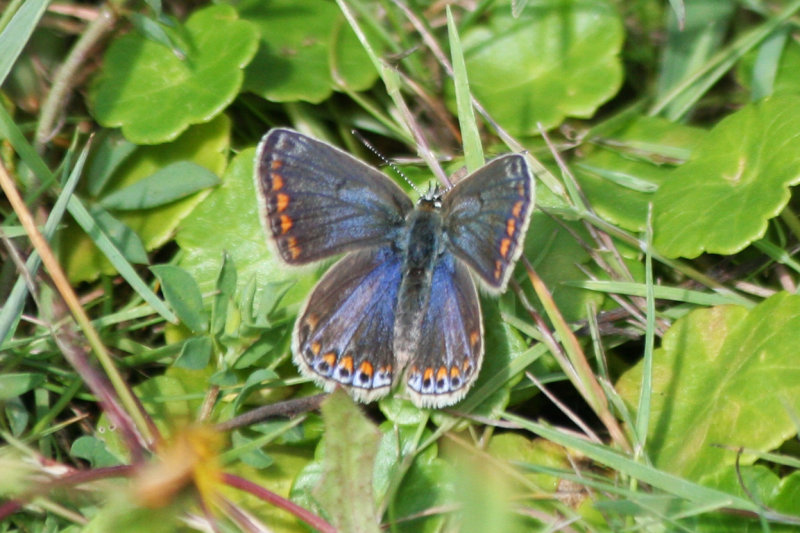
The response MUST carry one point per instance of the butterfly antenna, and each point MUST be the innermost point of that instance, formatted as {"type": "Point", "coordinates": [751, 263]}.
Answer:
{"type": "Point", "coordinates": [380, 156]}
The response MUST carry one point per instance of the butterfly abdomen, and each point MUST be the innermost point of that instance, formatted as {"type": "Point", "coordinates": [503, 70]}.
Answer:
{"type": "Point", "coordinates": [422, 245]}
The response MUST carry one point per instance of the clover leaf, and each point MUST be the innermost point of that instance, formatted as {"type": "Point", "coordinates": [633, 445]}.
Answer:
{"type": "Point", "coordinates": [737, 178]}
{"type": "Point", "coordinates": [555, 60]}
{"type": "Point", "coordinates": [154, 95]}
{"type": "Point", "coordinates": [307, 50]}
{"type": "Point", "coordinates": [620, 176]}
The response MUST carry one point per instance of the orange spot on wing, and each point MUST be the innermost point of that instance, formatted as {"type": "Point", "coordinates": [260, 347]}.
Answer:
{"type": "Point", "coordinates": [428, 374]}
{"type": "Point", "coordinates": [286, 223]}
{"type": "Point", "coordinates": [441, 374]}
{"type": "Point", "coordinates": [277, 181]}
{"type": "Point", "coordinates": [517, 209]}
{"type": "Point", "coordinates": [498, 269]}
{"type": "Point", "coordinates": [347, 362]}
{"type": "Point", "coordinates": [474, 337]}
{"type": "Point", "coordinates": [511, 226]}
{"type": "Point", "coordinates": [366, 368]}
{"type": "Point", "coordinates": [294, 249]}
{"type": "Point", "coordinates": [316, 347]}
{"type": "Point", "coordinates": [282, 201]}
{"type": "Point", "coordinates": [454, 372]}
{"type": "Point", "coordinates": [312, 320]}
{"type": "Point", "coordinates": [275, 164]}
{"type": "Point", "coordinates": [329, 358]}
{"type": "Point", "coordinates": [505, 244]}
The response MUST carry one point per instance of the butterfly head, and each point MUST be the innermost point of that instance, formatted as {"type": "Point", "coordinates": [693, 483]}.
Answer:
{"type": "Point", "coordinates": [432, 198]}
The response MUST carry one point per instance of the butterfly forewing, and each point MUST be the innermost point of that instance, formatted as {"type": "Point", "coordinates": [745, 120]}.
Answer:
{"type": "Point", "coordinates": [486, 216]}
{"type": "Point", "coordinates": [345, 333]}
{"type": "Point", "coordinates": [317, 201]}
{"type": "Point", "coordinates": [450, 347]}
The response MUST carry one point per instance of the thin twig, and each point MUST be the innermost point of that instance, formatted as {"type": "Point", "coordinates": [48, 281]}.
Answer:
{"type": "Point", "coordinates": [65, 76]}
{"type": "Point", "coordinates": [289, 408]}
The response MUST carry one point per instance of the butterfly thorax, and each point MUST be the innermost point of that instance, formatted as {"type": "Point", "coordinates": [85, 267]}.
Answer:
{"type": "Point", "coordinates": [423, 245]}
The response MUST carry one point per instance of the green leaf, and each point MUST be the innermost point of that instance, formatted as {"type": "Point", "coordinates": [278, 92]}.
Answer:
{"type": "Point", "coordinates": [351, 442]}
{"type": "Point", "coordinates": [95, 451]}
{"type": "Point", "coordinates": [16, 384]}
{"type": "Point", "coordinates": [736, 180]}
{"type": "Point", "coordinates": [512, 447]}
{"type": "Point", "coordinates": [111, 254]}
{"type": "Point", "coordinates": [205, 145]}
{"type": "Point", "coordinates": [689, 47]}
{"type": "Point", "coordinates": [559, 59]}
{"type": "Point", "coordinates": [307, 49]}
{"type": "Point", "coordinates": [156, 32]}
{"type": "Point", "coordinates": [173, 396]}
{"type": "Point", "coordinates": [473, 150]}
{"type": "Point", "coordinates": [255, 381]}
{"type": "Point", "coordinates": [557, 257]}
{"type": "Point", "coordinates": [154, 96]}
{"type": "Point", "coordinates": [620, 177]}
{"type": "Point", "coordinates": [182, 293]}
{"type": "Point", "coordinates": [124, 238]}
{"type": "Point", "coordinates": [723, 378]}
{"type": "Point", "coordinates": [231, 210]}
{"type": "Point", "coordinates": [171, 183]}
{"type": "Point", "coordinates": [254, 457]}
{"type": "Point", "coordinates": [195, 353]}
{"type": "Point", "coordinates": [752, 71]}
{"type": "Point", "coordinates": [397, 442]}
{"type": "Point", "coordinates": [225, 291]}
{"type": "Point", "coordinates": [789, 492]}
{"type": "Point", "coordinates": [110, 152]}
{"type": "Point", "coordinates": [15, 35]}
{"type": "Point", "coordinates": [426, 485]}
{"type": "Point", "coordinates": [763, 486]}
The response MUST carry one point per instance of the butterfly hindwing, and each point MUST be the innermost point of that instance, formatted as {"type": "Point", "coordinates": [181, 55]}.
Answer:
{"type": "Point", "coordinates": [486, 216]}
{"type": "Point", "coordinates": [317, 201]}
{"type": "Point", "coordinates": [450, 349]}
{"type": "Point", "coordinates": [345, 333]}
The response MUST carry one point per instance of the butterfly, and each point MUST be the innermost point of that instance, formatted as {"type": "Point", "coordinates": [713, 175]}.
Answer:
{"type": "Point", "coordinates": [401, 304]}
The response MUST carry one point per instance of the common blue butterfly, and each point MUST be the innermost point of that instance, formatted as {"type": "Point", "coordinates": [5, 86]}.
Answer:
{"type": "Point", "coordinates": [402, 301]}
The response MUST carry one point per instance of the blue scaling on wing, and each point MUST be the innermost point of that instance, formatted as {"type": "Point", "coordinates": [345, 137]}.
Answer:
{"type": "Point", "coordinates": [345, 333]}
{"type": "Point", "coordinates": [450, 348]}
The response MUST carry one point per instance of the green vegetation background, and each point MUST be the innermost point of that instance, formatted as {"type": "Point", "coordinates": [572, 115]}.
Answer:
{"type": "Point", "coordinates": [643, 377]}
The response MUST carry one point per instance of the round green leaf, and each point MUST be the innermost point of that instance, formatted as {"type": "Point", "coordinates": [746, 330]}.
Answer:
{"type": "Point", "coordinates": [723, 378]}
{"type": "Point", "coordinates": [557, 59]}
{"type": "Point", "coordinates": [736, 180]}
{"type": "Point", "coordinates": [620, 177]}
{"type": "Point", "coordinates": [154, 96]}
{"type": "Point", "coordinates": [307, 50]}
